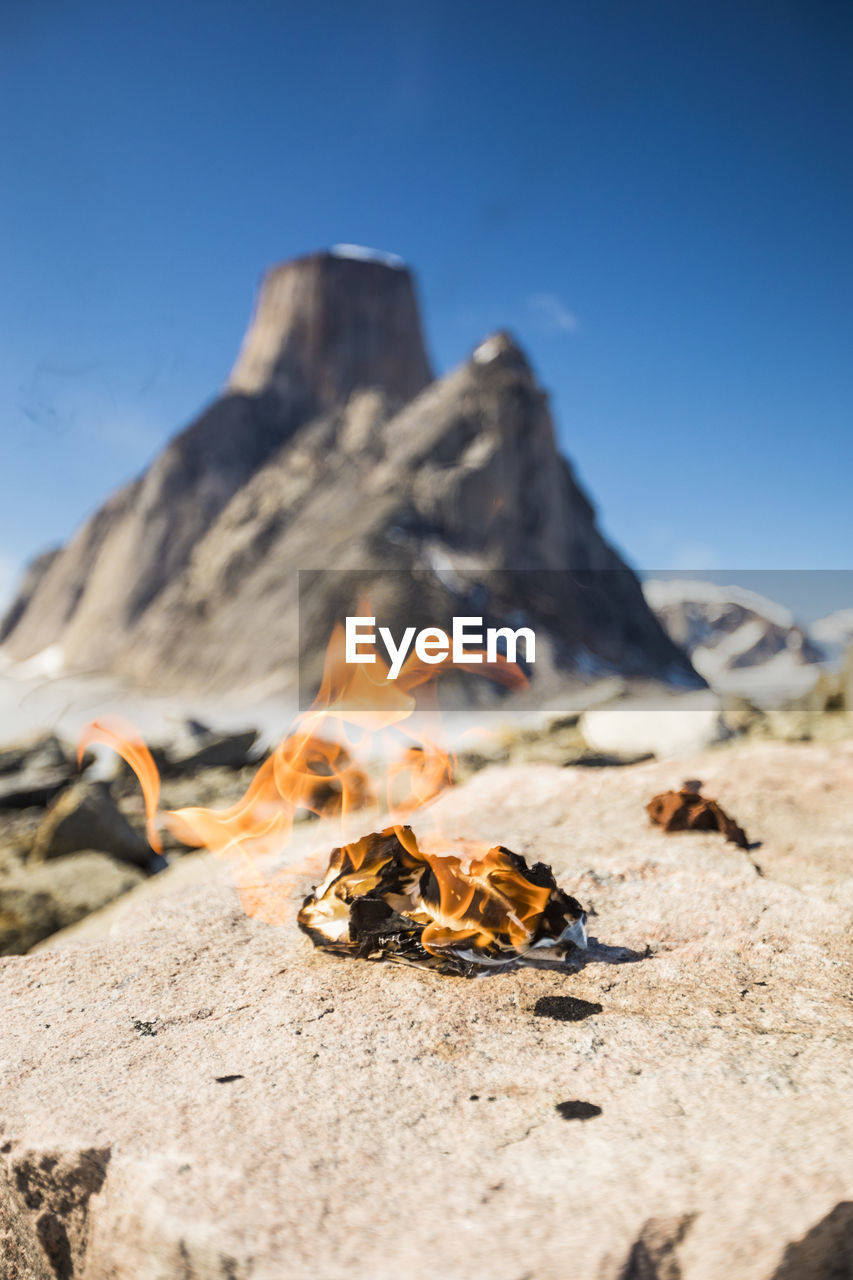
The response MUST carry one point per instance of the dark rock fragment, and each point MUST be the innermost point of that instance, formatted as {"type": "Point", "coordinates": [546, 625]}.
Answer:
{"type": "Point", "coordinates": [86, 817]}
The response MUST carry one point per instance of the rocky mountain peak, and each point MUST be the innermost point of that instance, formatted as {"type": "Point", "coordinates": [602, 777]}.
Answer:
{"type": "Point", "coordinates": [333, 447]}
{"type": "Point", "coordinates": [501, 349]}
{"type": "Point", "coordinates": [331, 322]}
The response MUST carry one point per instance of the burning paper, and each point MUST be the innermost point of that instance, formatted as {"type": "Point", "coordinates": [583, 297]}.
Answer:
{"type": "Point", "coordinates": [688, 810]}
{"type": "Point", "coordinates": [444, 909]}
{"type": "Point", "coordinates": [456, 910]}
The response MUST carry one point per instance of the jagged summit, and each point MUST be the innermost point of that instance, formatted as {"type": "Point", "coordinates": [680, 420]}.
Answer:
{"type": "Point", "coordinates": [331, 322]}
{"type": "Point", "coordinates": [332, 447]}
{"type": "Point", "coordinates": [501, 348]}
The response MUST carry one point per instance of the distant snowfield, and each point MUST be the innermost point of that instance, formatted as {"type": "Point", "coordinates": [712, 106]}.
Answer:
{"type": "Point", "coordinates": [660, 592]}
{"type": "Point", "coordinates": [778, 679]}
{"type": "Point", "coordinates": [746, 644]}
{"type": "Point", "coordinates": [32, 703]}
{"type": "Point", "coordinates": [35, 697]}
{"type": "Point", "coordinates": [834, 633]}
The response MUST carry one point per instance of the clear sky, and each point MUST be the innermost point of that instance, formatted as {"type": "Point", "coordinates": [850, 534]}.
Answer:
{"type": "Point", "coordinates": [657, 198]}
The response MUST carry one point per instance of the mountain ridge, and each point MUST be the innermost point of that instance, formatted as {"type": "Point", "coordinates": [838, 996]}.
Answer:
{"type": "Point", "coordinates": [332, 446]}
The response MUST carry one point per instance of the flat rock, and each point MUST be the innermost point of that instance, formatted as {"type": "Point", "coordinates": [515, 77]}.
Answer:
{"type": "Point", "coordinates": [38, 900]}
{"type": "Point", "coordinates": [44, 752]}
{"type": "Point", "coordinates": [189, 1092]}
{"type": "Point", "coordinates": [212, 750]}
{"type": "Point", "coordinates": [87, 817]}
{"type": "Point", "coordinates": [33, 788]}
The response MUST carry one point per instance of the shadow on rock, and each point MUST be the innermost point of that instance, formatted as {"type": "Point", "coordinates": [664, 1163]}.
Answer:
{"type": "Point", "coordinates": [825, 1252]}
{"type": "Point", "coordinates": [654, 1254]}
{"type": "Point", "coordinates": [573, 961]}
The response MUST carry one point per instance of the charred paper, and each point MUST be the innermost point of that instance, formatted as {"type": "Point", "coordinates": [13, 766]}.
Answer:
{"type": "Point", "coordinates": [689, 810]}
{"type": "Point", "coordinates": [458, 910]}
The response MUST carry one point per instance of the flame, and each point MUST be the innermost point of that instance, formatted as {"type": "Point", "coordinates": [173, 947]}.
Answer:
{"type": "Point", "coordinates": [480, 894]}
{"type": "Point", "coordinates": [121, 735]}
{"type": "Point", "coordinates": [389, 895]}
{"type": "Point", "coordinates": [320, 768]}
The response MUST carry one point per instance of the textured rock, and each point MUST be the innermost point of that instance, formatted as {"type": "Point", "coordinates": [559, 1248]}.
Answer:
{"type": "Point", "coordinates": [87, 817]}
{"type": "Point", "coordinates": [326, 325]}
{"type": "Point", "coordinates": [34, 771]}
{"type": "Point", "coordinates": [116, 565]}
{"type": "Point", "coordinates": [332, 449]}
{"type": "Point", "coordinates": [192, 1093]}
{"type": "Point", "coordinates": [466, 477]}
{"type": "Point", "coordinates": [825, 1252]}
{"type": "Point", "coordinates": [44, 752]}
{"type": "Point", "coordinates": [833, 635]}
{"type": "Point", "coordinates": [32, 787]}
{"type": "Point", "coordinates": [17, 831]}
{"type": "Point", "coordinates": [35, 572]}
{"type": "Point", "coordinates": [38, 900]}
{"type": "Point", "coordinates": [206, 749]}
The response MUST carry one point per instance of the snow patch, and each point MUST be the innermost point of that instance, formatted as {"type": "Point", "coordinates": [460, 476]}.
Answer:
{"type": "Point", "coordinates": [488, 351]}
{"type": "Point", "coordinates": [767, 684]}
{"type": "Point", "coordinates": [361, 253]}
{"type": "Point", "coordinates": [691, 724]}
{"type": "Point", "coordinates": [46, 665]}
{"type": "Point", "coordinates": [834, 634]}
{"type": "Point", "coordinates": [660, 592]}
{"type": "Point", "coordinates": [710, 661]}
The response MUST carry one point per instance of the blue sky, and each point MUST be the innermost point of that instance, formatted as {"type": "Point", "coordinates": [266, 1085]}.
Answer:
{"type": "Point", "coordinates": [657, 198]}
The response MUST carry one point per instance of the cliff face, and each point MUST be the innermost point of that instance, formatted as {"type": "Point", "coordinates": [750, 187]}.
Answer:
{"type": "Point", "coordinates": [332, 449]}
{"type": "Point", "coordinates": [323, 327]}
{"type": "Point", "coordinates": [328, 324]}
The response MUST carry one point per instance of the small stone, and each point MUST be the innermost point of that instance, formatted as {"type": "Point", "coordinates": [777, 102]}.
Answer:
{"type": "Point", "coordinates": [39, 900]}
{"type": "Point", "coordinates": [86, 817]}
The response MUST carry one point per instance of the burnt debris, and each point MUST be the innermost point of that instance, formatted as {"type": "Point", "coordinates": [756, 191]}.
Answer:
{"type": "Point", "coordinates": [689, 810]}
{"type": "Point", "coordinates": [458, 911]}
{"type": "Point", "coordinates": [566, 1008]}
{"type": "Point", "coordinates": [577, 1110]}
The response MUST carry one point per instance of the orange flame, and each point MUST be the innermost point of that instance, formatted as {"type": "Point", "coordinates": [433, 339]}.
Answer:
{"type": "Point", "coordinates": [388, 895]}
{"type": "Point", "coordinates": [312, 770]}
{"type": "Point", "coordinates": [120, 734]}
{"type": "Point", "coordinates": [480, 894]}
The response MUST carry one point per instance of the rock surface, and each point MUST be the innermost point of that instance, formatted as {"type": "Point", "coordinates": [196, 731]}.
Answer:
{"type": "Point", "coordinates": [43, 752]}
{"type": "Point", "coordinates": [35, 572]}
{"type": "Point", "coordinates": [33, 787]}
{"type": "Point", "coordinates": [87, 817]}
{"type": "Point", "coordinates": [191, 1093]}
{"type": "Point", "coordinates": [33, 772]}
{"type": "Point", "coordinates": [38, 900]}
{"type": "Point", "coordinates": [331, 448]}
{"type": "Point", "coordinates": [466, 479]}
{"type": "Point", "coordinates": [204, 748]}
{"type": "Point", "coordinates": [326, 325]}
